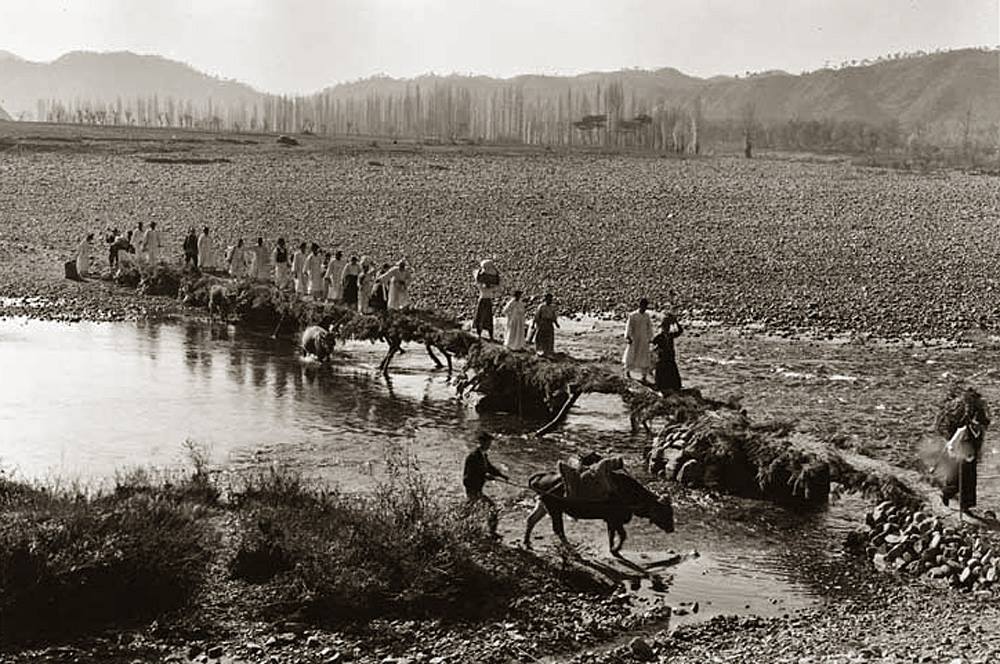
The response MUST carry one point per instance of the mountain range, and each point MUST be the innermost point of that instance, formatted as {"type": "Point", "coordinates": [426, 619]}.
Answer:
{"type": "Point", "coordinates": [925, 90]}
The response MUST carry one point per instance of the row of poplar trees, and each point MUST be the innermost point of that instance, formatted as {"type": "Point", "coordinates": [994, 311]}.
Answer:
{"type": "Point", "coordinates": [466, 110]}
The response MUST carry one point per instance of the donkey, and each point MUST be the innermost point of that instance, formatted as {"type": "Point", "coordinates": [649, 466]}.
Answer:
{"type": "Point", "coordinates": [629, 498]}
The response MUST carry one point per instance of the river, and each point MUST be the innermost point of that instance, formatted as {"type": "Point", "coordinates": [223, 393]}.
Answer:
{"type": "Point", "coordinates": [81, 402]}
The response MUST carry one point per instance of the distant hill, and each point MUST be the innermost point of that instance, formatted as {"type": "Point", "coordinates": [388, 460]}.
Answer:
{"type": "Point", "coordinates": [106, 77]}
{"type": "Point", "coordinates": [933, 92]}
{"type": "Point", "coordinates": [4, 115]}
{"type": "Point", "coordinates": [930, 90]}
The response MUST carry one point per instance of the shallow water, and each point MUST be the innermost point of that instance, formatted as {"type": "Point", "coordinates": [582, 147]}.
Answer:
{"type": "Point", "coordinates": [84, 401]}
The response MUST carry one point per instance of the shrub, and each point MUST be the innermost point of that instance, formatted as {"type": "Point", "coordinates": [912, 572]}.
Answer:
{"type": "Point", "coordinates": [70, 562]}
{"type": "Point", "coordinates": [403, 551]}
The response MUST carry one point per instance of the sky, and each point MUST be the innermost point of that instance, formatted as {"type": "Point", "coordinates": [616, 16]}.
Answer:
{"type": "Point", "coordinates": [289, 46]}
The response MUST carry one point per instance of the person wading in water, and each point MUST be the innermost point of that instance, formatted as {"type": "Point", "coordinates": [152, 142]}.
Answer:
{"type": "Point", "coordinates": [476, 471]}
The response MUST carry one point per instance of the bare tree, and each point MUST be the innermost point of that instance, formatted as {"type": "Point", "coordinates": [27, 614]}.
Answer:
{"type": "Point", "coordinates": [749, 118]}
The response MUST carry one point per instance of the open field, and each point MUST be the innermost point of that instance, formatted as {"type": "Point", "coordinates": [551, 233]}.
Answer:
{"type": "Point", "coordinates": [789, 245]}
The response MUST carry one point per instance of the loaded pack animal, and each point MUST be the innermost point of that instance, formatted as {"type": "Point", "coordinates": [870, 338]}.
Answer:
{"type": "Point", "coordinates": [629, 498]}
{"type": "Point", "coordinates": [318, 342]}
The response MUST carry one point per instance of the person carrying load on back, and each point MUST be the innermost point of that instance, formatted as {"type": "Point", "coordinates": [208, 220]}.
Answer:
{"type": "Point", "coordinates": [590, 480]}
{"type": "Point", "coordinates": [476, 471]}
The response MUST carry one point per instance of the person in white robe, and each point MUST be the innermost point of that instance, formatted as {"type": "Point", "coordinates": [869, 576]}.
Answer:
{"type": "Point", "coordinates": [138, 237]}
{"type": "Point", "coordinates": [314, 272]}
{"type": "Point", "coordinates": [206, 253]}
{"type": "Point", "coordinates": [298, 270]}
{"type": "Point", "coordinates": [334, 277]}
{"type": "Point", "coordinates": [238, 260]}
{"type": "Point", "coordinates": [398, 280]}
{"type": "Point", "coordinates": [365, 281]}
{"type": "Point", "coordinates": [83, 255]}
{"type": "Point", "coordinates": [151, 244]}
{"type": "Point", "coordinates": [280, 259]}
{"type": "Point", "coordinates": [258, 258]}
{"type": "Point", "coordinates": [516, 315]}
{"type": "Point", "coordinates": [638, 334]}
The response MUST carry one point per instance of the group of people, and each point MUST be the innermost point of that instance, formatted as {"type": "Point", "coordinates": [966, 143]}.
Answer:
{"type": "Point", "coordinates": [310, 272]}
{"type": "Point", "coordinates": [138, 245]}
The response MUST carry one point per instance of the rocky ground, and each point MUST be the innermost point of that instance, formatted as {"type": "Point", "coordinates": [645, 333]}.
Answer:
{"type": "Point", "coordinates": [817, 247]}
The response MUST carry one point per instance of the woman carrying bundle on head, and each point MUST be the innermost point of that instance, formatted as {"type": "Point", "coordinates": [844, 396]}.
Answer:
{"type": "Point", "coordinates": [666, 374]}
{"type": "Point", "coordinates": [487, 279]}
{"type": "Point", "coordinates": [963, 418]}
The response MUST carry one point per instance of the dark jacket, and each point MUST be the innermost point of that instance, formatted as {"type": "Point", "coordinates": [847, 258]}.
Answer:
{"type": "Point", "coordinates": [477, 470]}
{"type": "Point", "coordinates": [191, 245]}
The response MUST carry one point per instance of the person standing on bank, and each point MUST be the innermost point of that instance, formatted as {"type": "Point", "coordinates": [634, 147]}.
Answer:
{"type": "Point", "coordinates": [299, 270]}
{"type": "Point", "coordinates": [349, 283]}
{"type": "Point", "coordinates": [151, 244]}
{"type": "Point", "coordinates": [313, 270]}
{"type": "Point", "coordinates": [638, 333]}
{"type": "Point", "coordinates": [83, 255]}
{"type": "Point", "coordinates": [280, 259]}
{"type": "Point", "coordinates": [238, 260]}
{"type": "Point", "coordinates": [258, 255]}
{"type": "Point", "coordinates": [476, 471]}
{"type": "Point", "coordinates": [963, 450]}
{"type": "Point", "coordinates": [138, 235]}
{"type": "Point", "coordinates": [543, 328]}
{"type": "Point", "coordinates": [334, 277]}
{"type": "Point", "coordinates": [191, 248]}
{"type": "Point", "coordinates": [516, 322]}
{"type": "Point", "coordinates": [397, 279]}
{"type": "Point", "coordinates": [487, 279]}
{"type": "Point", "coordinates": [364, 285]}
{"type": "Point", "coordinates": [206, 254]}
{"type": "Point", "coordinates": [378, 301]}
{"type": "Point", "coordinates": [668, 377]}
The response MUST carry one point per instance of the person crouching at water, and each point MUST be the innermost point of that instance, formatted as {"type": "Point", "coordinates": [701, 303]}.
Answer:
{"type": "Point", "coordinates": [516, 322]}
{"type": "Point", "coordinates": [280, 259]}
{"type": "Point", "coordinates": [299, 270]}
{"type": "Point", "coordinates": [83, 255]}
{"type": "Point", "coordinates": [191, 248]}
{"type": "Point", "coordinates": [487, 279]}
{"type": "Point", "coordinates": [667, 376]}
{"type": "Point", "coordinates": [476, 471]}
{"type": "Point", "coordinates": [638, 333]}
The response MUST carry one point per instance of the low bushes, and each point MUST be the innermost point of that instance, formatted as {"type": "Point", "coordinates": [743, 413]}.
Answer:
{"type": "Point", "coordinates": [70, 561]}
{"type": "Point", "coordinates": [402, 551]}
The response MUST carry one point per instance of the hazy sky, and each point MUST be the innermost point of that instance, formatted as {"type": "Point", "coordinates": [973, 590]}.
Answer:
{"type": "Point", "coordinates": [304, 45]}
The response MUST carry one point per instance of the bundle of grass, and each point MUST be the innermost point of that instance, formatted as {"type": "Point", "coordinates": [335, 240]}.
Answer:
{"type": "Point", "coordinates": [161, 279]}
{"type": "Point", "coordinates": [724, 450]}
{"type": "Point", "coordinates": [962, 405]}
{"type": "Point", "coordinates": [71, 562]}
{"type": "Point", "coordinates": [532, 385]}
{"type": "Point", "coordinates": [873, 482]}
{"type": "Point", "coordinates": [407, 551]}
{"type": "Point", "coordinates": [127, 275]}
{"type": "Point", "coordinates": [679, 406]}
{"type": "Point", "coordinates": [195, 287]}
